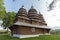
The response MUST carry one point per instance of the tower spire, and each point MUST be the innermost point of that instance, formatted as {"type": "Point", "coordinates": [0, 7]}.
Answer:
{"type": "Point", "coordinates": [39, 12]}
{"type": "Point", "coordinates": [22, 6]}
{"type": "Point", "coordinates": [32, 7]}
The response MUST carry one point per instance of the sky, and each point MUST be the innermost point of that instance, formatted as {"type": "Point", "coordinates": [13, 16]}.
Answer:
{"type": "Point", "coordinates": [1, 28]}
{"type": "Point", "coordinates": [52, 17]}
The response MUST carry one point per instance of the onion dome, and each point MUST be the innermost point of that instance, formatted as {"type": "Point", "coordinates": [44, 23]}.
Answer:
{"type": "Point", "coordinates": [32, 13]}
{"type": "Point", "coordinates": [22, 12]}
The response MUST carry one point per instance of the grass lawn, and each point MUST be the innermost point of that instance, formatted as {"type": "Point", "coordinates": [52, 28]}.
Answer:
{"type": "Point", "coordinates": [44, 37]}
{"type": "Point", "coordinates": [2, 30]}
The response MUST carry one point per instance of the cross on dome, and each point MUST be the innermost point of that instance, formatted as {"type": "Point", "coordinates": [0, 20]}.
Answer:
{"type": "Point", "coordinates": [22, 6]}
{"type": "Point", "coordinates": [32, 7]}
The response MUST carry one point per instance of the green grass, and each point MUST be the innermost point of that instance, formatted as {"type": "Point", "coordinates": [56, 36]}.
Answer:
{"type": "Point", "coordinates": [44, 37]}
{"type": "Point", "coordinates": [3, 31]}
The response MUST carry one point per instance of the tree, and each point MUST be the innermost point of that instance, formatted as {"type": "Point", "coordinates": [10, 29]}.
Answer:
{"type": "Point", "coordinates": [8, 19]}
{"type": "Point", "coordinates": [2, 9]}
{"type": "Point", "coordinates": [56, 31]}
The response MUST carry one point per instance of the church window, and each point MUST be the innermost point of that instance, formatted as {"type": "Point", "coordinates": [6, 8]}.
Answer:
{"type": "Point", "coordinates": [33, 29]}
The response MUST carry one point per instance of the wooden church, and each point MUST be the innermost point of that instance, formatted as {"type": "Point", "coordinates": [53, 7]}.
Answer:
{"type": "Point", "coordinates": [29, 24]}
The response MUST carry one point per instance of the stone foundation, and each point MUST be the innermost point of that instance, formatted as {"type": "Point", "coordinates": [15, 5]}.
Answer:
{"type": "Point", "coordinates": [27, 36]}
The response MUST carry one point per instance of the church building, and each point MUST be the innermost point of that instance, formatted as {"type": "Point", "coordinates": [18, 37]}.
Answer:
{"type": "Point", "coordinates": [29, 24]}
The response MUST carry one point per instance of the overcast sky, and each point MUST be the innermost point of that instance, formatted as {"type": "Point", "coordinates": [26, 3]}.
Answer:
{"type": "Point", "coordinates": [52, 18]}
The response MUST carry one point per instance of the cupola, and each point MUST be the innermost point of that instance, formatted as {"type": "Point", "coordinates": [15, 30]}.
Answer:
{"type": "Point", "coordinates": [22, 12]}
{"type": "Point", "coordinates": [41, 17]}
{"type": "Point", "coordinates": [32, 13]}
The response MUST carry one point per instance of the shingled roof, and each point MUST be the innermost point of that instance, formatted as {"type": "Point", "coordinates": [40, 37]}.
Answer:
{"type": "Point", "coordinates": [30, 25]}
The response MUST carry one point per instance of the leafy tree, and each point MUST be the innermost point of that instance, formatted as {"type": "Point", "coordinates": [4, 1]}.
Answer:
{"type": "Point", "coordinates": [2, 9]}
{"type": "Point", "coordinates": [56, 31]}
{"type": "Point", "coordinates": [8, 19]}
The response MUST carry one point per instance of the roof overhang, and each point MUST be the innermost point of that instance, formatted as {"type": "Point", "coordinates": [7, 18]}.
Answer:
{"type": "Point", "coordinates": [30, 25]}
